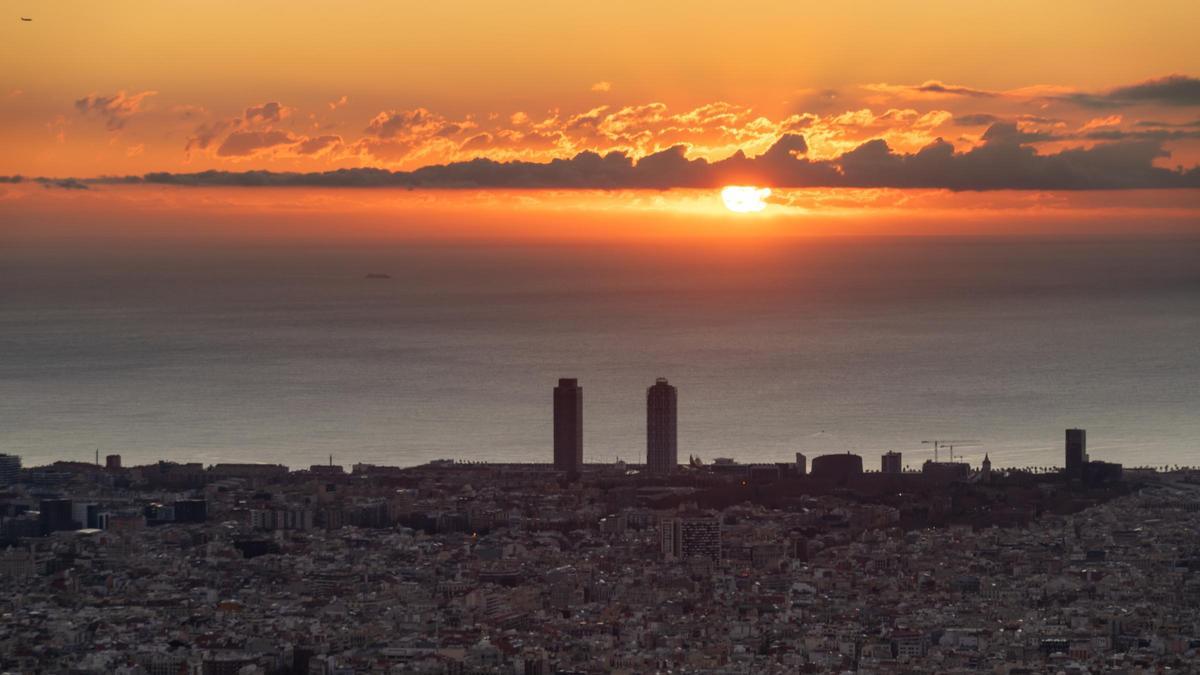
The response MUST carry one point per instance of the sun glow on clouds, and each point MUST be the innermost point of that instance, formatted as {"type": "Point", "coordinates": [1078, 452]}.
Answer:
{"type": "Point", "coordinates": [745, 198]}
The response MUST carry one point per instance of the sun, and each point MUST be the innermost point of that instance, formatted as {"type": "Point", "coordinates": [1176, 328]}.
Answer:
{"type": "Point", "coordinates": [745, 198]}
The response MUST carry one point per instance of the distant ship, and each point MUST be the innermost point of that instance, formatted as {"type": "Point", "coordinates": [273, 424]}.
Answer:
{"type": "Point", "coordinates": [378, 275]}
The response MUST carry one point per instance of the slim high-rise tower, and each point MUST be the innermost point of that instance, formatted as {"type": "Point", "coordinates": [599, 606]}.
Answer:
{"type": "Point", "coordinates": [568, 425]}
{"type": "Point", "coordinates": [662, 451]}
{"type": "Point", "coordinates": [1077, 457]}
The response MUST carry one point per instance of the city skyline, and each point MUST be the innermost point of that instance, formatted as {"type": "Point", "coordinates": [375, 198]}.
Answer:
{"type": "Point", "coordinates": [661, 451]}
{"type": "Point", "coordinates": [661, 458]}
{"type": "Point", "coordinates": [886, 315]}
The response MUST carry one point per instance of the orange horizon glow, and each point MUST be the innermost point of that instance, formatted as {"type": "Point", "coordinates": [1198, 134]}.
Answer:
{"type": "Point", "coordinates": [144, 213]}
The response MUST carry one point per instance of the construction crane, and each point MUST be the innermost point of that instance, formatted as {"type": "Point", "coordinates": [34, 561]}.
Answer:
{"type": "Point", "coordinates": [938, 444]}
{"type": "Point", "coordinates": [965, 444]}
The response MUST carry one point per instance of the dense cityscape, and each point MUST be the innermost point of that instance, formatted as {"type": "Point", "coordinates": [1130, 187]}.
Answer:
{"type": "Point", "coordinates": [330, 335]}
{"type": "Point", "coordinates": [703, 567]}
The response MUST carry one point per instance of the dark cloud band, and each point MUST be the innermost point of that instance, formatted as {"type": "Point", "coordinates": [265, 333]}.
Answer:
{"type": "Point", "coordinates": [1172, 90]}
{"type": "Point", "coordinates": [1005, 160]}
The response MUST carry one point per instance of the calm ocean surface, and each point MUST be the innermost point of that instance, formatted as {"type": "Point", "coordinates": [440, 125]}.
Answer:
{"type": "Point", "coordinates": [290, 355]}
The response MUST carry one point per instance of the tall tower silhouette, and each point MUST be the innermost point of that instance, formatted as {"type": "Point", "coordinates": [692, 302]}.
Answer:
{"type": "Point", "coordinates": [568, 425]}
{"type": "Point", "coordinates": [662, 450]}
{"type": "Point", "coordinates": [1077, 457]}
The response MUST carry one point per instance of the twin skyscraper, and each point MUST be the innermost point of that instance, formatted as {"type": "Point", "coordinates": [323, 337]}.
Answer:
{"type": "Point", "coordinates": [568, 425]}
{"type": "Point", "coordinates": [662, 450]}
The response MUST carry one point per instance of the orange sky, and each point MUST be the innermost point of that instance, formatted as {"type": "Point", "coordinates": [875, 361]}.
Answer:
{"type": "Point", "coordinates": [128, 87]}
{"type": "Point", "coordinates": [406, 84]}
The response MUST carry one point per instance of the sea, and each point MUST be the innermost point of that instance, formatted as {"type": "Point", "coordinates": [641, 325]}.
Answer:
{"type": "Point", "coordinates": [291, 354]}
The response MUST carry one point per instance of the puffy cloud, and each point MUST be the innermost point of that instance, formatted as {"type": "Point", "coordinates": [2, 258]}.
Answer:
{"type": "Point", "coordinates": [410, 136]}
{"type": "Point", "coordinates": [244, 144]}
{"type": "Point", "coordinates": [206, 134]}
{"type": "Point", "coordinates": [269, 112]}
{"type": "Point", "coordinates": [584, 121]}
{"type": "Point", "coordinates": [116, 109]}
{"type": "Point", "coordinates": [256, 134]}
{"type": "Point", "coordinates": [409, 124]}
{"type": "Point", "coordinates": [250, 143]}
{"type": "Point", "coordinates": [712, 130]}
{"type": "Point", "coordinates": [317, 145]}
{"type": "Point", "coordinates": [334, 105]}
{"type": "Point", "coordinates": [602, 86]}
{"type": "Point", "coordinates": [790, 145]}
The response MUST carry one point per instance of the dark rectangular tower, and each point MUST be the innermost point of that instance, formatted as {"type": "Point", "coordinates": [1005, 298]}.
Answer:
{"type": "Point", "coordinates": [1077, 457]}
{"type": "Point", "coordinates": [662, 450]}
{"type": "Point", "coordinates": [568, 425]}
{"type": "Point", "coordinates": [892, 462]}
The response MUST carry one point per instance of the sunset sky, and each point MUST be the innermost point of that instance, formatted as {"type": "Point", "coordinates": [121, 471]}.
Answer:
{"type": "Point", "coordinates": [906, 98]}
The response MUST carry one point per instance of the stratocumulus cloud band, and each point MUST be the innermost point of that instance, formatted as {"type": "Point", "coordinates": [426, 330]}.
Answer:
{"type": "Point", "coordinates": [1004, 161]}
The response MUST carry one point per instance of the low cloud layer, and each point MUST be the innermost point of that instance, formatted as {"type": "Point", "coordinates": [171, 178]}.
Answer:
{"type": "Point", "coordinates": [1004, 161]}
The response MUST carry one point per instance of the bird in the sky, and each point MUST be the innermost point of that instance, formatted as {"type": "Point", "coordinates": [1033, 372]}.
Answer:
{"type": "Point", "coordinates": [25, 18]}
